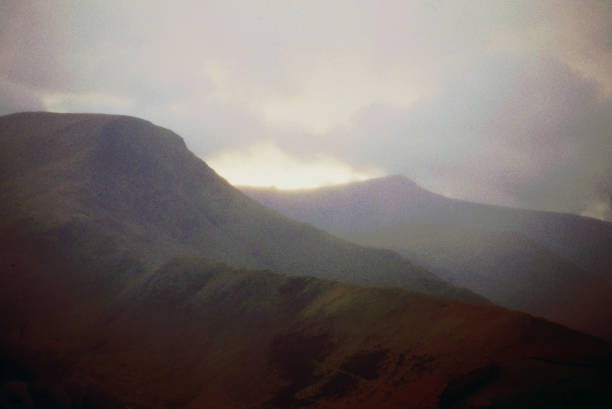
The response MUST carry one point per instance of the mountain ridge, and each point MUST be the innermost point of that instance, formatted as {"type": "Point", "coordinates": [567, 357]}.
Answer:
{"type": "Point", "coordinates": [140, 185]}
{"type": "Point", "coordinates": [543, 263]}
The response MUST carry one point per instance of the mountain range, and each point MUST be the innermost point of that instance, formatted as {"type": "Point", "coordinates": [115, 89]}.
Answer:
{"type": "Point", "coordinates": [139, 189]}
{"type": "Point", "coordinates": [553, 265]}
{"type": "Point", "coordinates": [132, 275]}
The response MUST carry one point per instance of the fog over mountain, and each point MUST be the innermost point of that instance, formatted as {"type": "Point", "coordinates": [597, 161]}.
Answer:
{"type": "Point", "coordinates": [497, 102]}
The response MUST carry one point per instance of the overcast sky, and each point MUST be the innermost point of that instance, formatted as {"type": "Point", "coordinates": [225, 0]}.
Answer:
{"type": "Point", "coordinates": [506, 102]}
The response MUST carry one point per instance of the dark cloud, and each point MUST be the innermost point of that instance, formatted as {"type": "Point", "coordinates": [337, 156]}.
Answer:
{"type": "Point", "coordinates": [543, 139]}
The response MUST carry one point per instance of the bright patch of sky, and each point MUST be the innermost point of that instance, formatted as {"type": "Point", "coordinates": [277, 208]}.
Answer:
{"type": "Point", "coordinates": [265, 164]}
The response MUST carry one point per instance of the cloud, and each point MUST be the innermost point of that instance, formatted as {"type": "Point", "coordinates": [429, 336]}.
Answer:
{"type": "Point", "coordinates": [599, 208]}
{"type": "Point", "coordinates": [328, 90]}
{"type": "Point", "coordinates": [540, 140]}
{"type": "Point", "coordinates": [16, 98]}
{"type": "Point", "coordinates": [497, 101]}
{"type": "Point", "coordinates": [84, 102]}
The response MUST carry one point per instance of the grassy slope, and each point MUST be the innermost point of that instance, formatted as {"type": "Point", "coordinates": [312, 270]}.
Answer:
{"type": "Point", "coordinates": [136, 183]}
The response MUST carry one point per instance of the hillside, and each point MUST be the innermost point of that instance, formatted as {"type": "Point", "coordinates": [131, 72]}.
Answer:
{"type": "Point", "coordinates": [508, 268]}
{"type": "Point", "coordinates": [552, 265]}
{"type": "Point", "coordinates": [106, 300]}
{"type": "Point", "coordinates": [200, 334]}
{"type": "Point", "coordinates": [137, 187]}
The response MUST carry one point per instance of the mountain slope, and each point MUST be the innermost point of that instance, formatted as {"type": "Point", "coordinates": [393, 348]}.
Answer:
{"type": "Point", "coordinates": [106, 303]}
{"type": "Point", "coordinates": [372, 204]}
{"type": "Point", "coordinates": [505, 254]}
{"type": "Point", "coordinates": [138, 186]}
{"type": "Point", "coordinates": [508, 268]}
{"type": "Point", "coordinates": [200, 334]}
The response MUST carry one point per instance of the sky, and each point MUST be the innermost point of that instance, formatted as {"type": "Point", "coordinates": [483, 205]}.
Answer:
{"type": "Point", "coordinates": [502, 102]}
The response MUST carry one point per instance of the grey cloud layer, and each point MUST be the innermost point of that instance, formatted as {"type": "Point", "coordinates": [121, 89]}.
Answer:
{"type": "Point", "coordinates": [504, 102]}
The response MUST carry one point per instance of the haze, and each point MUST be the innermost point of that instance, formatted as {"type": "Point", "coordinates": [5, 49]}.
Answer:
{"type": "Point", "coordinates": [493, 101]}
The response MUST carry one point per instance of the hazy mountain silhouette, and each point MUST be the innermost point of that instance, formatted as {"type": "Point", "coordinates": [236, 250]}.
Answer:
{"type": "Point", "coordinates": [553, 265]}
{"type": "Point", "coordinates": [106, 302]}
{"type": "Point", "coordinates": [396, 199]}
{"type": "Point", "coordinates": [139, 186]}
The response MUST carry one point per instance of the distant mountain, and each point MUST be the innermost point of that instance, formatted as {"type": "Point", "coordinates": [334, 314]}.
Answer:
{"type": "Point", "coordinates": [557, 266]}
{"type": "Point", "coordinates": [396, 199]}
{"type": "Point", "coordinates": [103, 180]}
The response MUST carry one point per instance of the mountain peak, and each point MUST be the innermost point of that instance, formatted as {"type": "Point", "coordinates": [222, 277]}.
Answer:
{"type": "Point", "coordinates": [389, 197]}
{"type": "Point", "coordinates": [397, 181]}
{"type": "Point", "coordinates": [86, 125]}
{"type": "Point", "coordinates": [396, 178]}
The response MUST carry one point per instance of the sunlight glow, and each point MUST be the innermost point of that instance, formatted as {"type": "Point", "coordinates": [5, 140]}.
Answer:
{"type": "Point", "coordinates": [267, 165]}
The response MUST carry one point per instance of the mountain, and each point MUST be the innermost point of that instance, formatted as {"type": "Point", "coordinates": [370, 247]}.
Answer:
{"type": "Point", "coordinates": [396, 199]}
{"type": "Point", "coordinates": [106, 300]}
{"type": "Point", "coordinates": [112, 183]}
{"type": "Point", "coordinates": [552, 265]}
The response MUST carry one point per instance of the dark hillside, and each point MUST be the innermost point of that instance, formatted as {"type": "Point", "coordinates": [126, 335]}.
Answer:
{"type": "Point", "coordinates": [199, 334]}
